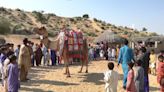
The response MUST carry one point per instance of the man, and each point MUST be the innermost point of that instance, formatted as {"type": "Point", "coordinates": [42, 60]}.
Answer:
{"type": "Point", "coordinates": [24, 60]}
{"type": "Point", "coordinates": [144, 56]}
{"type": "Point", "coordinates": [17, 51]}
{"type": "Point", "coordinates": [61, 37]}
{"type": "Point", "coordinates": [44, 51]}
{"type": "Point", "coordinates": [53, 57]}
{"type": "Point", "coordinates": [3, 56]}
{"type": "Point", "coordinates": [125, 57]}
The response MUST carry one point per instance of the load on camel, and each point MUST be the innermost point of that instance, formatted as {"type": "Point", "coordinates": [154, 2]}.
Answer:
{"type": "Point", "coordinates": [70, 45]}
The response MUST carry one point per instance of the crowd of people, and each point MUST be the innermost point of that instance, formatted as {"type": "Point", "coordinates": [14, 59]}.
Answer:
{"type": "Point", "coordinates": [135, 79]}
{"type": "Point", "coordinates": [103, 51]}
{"type": "Point", "coordinates": [15, 63]}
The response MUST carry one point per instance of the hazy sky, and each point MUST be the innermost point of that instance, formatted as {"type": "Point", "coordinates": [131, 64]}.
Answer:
{"type": "Point", "coordinates": [132, 13]}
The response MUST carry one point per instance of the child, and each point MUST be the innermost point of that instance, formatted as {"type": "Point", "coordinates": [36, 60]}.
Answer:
{"type": "Point", "coordinates": [139, 77]}
{"type": "Point", "coordinates": [12, 75]}
{"type": "Point", "coordinates": [48, 57]}
{"type": "Point", "coordinates": [111, 79]}
{"type": "Point", "coordinates": [160, 72]}
{"type": "Point", "coordinates": [130, 87]}
{"type": "Point", "coordinates": [152, 62]}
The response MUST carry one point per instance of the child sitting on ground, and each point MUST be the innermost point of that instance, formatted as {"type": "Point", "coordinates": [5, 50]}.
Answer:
{"type": "Point", "coordinates": [111, 79]}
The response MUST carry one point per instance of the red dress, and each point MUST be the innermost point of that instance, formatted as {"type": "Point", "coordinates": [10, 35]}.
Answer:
{"type": "Point", "coordinates": [130, 86]}
{"type": "Point", "coordinates": [160, 74]}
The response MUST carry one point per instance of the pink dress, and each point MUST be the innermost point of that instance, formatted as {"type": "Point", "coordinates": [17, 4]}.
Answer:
{"type": "Point", "coordinates": [130, 86]}
{"type": "Point", "coordinates": [160, 74]}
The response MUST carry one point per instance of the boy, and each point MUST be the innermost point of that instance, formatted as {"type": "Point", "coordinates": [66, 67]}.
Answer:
{"type": "Point", "coordinates": [111, 79]}
{"type": "Point", "coordinates": [12, 75]}
{"type": "Point", "coordinates": [160, 72]}
{"type": "Point", "coordinates": [139, 77]}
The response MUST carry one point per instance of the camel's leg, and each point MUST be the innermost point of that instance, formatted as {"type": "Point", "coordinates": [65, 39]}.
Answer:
{"type": "Point", "coordinates": [67, 70]}
{"type": "Point", "coordinates": [82, 64]}
{"type": "Point", "coordinates": [67, 67]}
{"type": "Point", "coordinates": [86, 63]}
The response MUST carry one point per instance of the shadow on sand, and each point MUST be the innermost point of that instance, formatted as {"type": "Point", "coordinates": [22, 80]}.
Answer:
{"type": "Point", "coordinates": [50, 82]}
{"type": "Point", "coordinates": [154, 89]}
{"type": "Point", "coordinates": [95, 78]}
{"type": "Point", "coordinates": [33, 90]}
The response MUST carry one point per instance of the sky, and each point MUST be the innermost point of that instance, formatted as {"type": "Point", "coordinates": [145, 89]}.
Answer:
{"type": "Point", "coordinates": [132, 13]}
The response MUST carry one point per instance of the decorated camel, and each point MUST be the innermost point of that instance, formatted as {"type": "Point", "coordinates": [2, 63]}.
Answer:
{"type": "Point", "coordinates": [65, 54]}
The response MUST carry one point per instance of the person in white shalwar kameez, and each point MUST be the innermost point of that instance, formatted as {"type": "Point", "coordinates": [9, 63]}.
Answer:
{"type": "Point", "coordinates": [111, 79]}
{"type": "Point", "coordinates": [61, 38]}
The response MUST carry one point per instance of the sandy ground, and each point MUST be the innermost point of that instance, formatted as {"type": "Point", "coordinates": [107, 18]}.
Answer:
{"type": "Point", "coordinates": [52, 79]}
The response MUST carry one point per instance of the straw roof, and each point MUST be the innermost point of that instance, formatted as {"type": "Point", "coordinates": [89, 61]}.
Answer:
{"type": "Point", "coordinates": [156, 38]}
{"type": "Point", "coordinates": [109, 36]}
{"type": "Point", "coordinates": [149, 39]}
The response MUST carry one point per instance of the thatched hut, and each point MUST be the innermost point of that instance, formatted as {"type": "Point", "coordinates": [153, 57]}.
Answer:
{"type": "Point", "coordinates": [109, 38]}
{"type": "Point", "coordinates": [153, 42]}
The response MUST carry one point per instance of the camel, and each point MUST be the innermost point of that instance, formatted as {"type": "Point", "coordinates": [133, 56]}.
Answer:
{"type": "Point", "coordinates": [55, 45]}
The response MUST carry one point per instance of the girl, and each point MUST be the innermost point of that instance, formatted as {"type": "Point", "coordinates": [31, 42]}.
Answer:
{"type": "Point", "coordinates": [130, 87]}
{"type": "Point", "coordinates": [160, 72]}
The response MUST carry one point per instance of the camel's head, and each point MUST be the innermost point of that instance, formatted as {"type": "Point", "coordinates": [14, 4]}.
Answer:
{"type": "Point", "coordinates": [41, 31]}
{"type": "Point", "coordinates": [43, 35]}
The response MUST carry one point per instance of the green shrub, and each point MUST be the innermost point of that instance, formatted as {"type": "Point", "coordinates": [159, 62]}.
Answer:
{"type": "Point", "coordinates": [4, 26]}
{"type": "Point", "coordinates": [92, 34]}
{"type": "Point", "coordinates": [78, 18]}
{"type": "Point", "coordinates": [125, 32]}
{"type": "Point", "coordinates": [95, 19]}
{"type": "Point", "coordinates": [18, 9]}
{"type": "Point", "coordinates": [2, 9]}
{"type": "Point", "coordinates": [144, 29]}
{"type": "Point", "coordinates": [40, 17]}
{"type": "Point", "coordinates": [103, 28]}
{"type": "Point", "coordinates": [153, 34]}
{"type": "Point", "coordinates": [86, 16]}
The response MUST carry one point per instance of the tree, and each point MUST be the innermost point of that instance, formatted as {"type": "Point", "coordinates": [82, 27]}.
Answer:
{"type": "Point", "coordinates": [4, 26]}
{"type": "Point", "coordinates": [144, 29]}
{"type": "Point", "coordinates": [86, 16]}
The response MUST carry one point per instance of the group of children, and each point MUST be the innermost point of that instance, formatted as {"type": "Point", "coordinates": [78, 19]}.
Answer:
{"type": "Point", "coordinates": [135, 79]}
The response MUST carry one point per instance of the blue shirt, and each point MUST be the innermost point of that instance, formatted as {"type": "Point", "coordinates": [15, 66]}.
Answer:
{"type": "Point", "coordinates": [2, 58]}
{"type": "Point", "coordinates": [126, 55]}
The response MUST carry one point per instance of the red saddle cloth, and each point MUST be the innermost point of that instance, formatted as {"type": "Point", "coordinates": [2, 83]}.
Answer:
{"type": "Point", "coordinates": [75, 44]}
